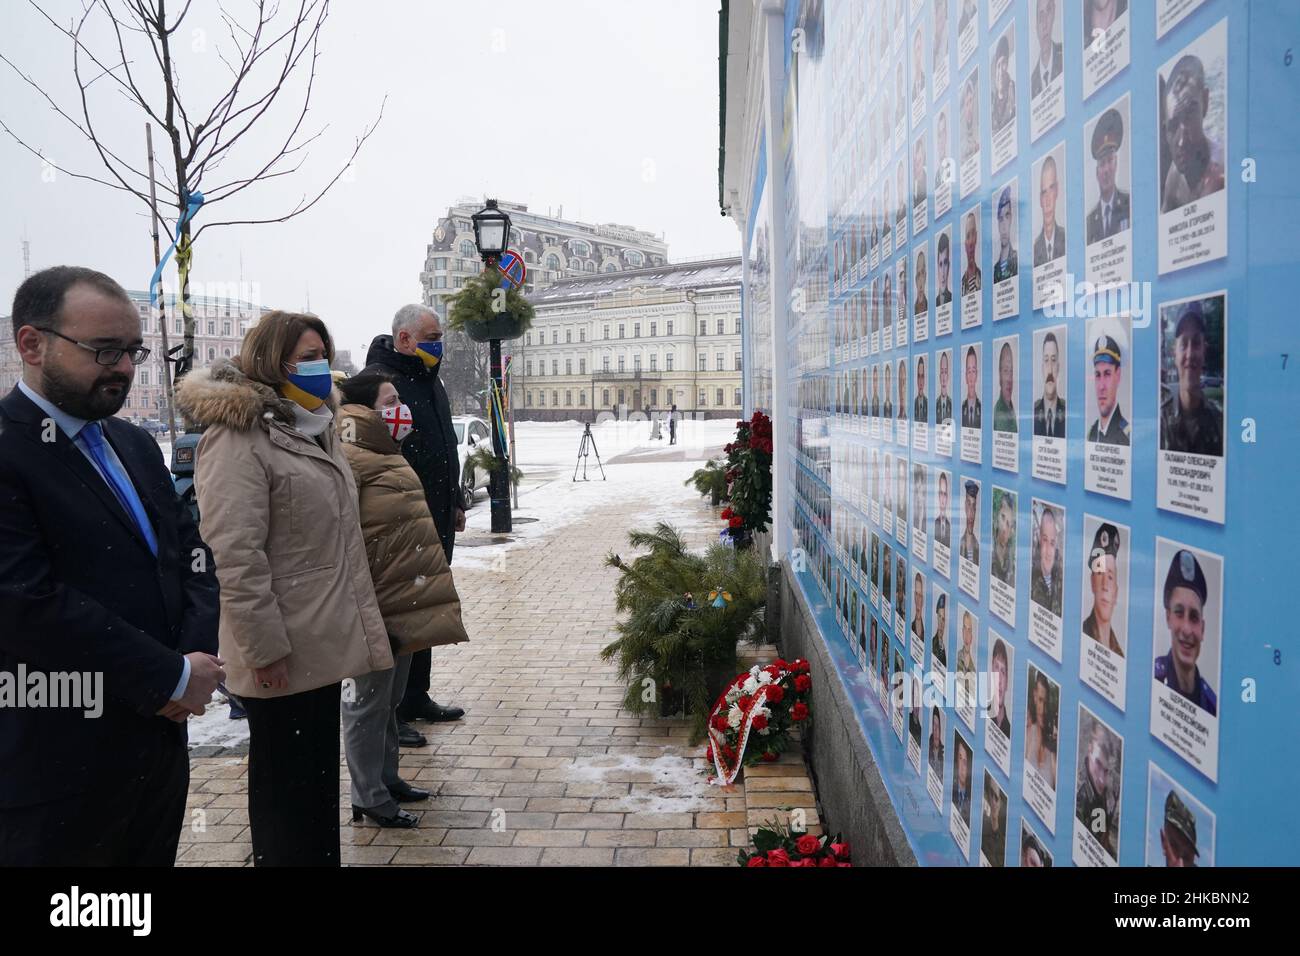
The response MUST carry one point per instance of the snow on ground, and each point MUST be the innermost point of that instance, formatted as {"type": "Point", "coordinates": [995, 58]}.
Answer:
{"type": "Point", "coordinates": [678, 785]}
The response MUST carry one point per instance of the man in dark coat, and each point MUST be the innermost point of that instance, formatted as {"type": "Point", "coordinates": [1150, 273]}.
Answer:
{"type": "Point", "coordinates": [108, 596]}
{"type": "Point", "coordinates": [412, 356]}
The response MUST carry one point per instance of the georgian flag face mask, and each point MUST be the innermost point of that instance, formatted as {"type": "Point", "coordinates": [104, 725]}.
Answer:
{"type": "Point", "coordinates": [399, 422]}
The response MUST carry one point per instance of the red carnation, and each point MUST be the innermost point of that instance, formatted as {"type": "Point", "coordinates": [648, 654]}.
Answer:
{"type": "Point", "coordinates": [801, 666]}
{"type": "Point", "coordinates": [778, 857]}
{"type": "Point", "coordinates": [808, 845]}
{"type": "Point", "coordinates": [780, 664]}
{"type": "Point", "coordinates": [744, 702]}
{"type": "Point", "coordinates": [726, 513]}
{"type": "Point", "coordinates": [802, 683]}
{"type": "Point", "coordinates": [769, 756]}
{"type": "Point", "coordinates": [799, 712]}
{"type": "Point", "coordinates": [773, 670]}
{"type": "Point", "coordinates": [775, 693]}
{"type": "Point", "coordinates": [756, 860]}
{"type": "Point", "coordinates": [736, 521]}
{"type": "Point", "coordinates": [841, 851]}
{"type": "Point", "coordinates": [720, 722]}
{"type": "Point", "coordinates": [760, 722]}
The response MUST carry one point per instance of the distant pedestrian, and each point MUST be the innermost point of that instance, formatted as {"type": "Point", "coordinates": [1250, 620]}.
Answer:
{"type": "Point", "coordinates": [102, 572]}
{"type": "Point", "coordinates": [413, 585]}
{"type": "Point", "coordinates": [672, 425]}
{"type": "Point", "coordinates": [278, 506]}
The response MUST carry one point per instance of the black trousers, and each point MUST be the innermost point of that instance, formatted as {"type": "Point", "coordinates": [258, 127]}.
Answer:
{"type": "Point", "coordinates": [131, 818]}
{"type": "Point", "coordinates": [293, 778]}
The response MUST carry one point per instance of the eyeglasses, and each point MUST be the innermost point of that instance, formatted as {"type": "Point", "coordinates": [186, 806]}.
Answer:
{"type": "Point", "coordinates": [108, 356]}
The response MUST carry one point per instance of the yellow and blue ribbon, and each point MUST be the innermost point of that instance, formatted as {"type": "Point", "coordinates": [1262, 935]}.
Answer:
{"type": "Point", "coordinates": [192, 207]}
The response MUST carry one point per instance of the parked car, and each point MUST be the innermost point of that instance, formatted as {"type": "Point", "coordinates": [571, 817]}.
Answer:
{"type": "Point", "coordinates": [471, 434]}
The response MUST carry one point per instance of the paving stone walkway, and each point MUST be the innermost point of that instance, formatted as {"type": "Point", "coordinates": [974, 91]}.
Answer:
{"type": "Point", "coordinates": [545, 768]}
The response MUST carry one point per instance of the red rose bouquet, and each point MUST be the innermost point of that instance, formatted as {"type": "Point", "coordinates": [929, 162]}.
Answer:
{"type": "Point", "coordinates": [775, 844]}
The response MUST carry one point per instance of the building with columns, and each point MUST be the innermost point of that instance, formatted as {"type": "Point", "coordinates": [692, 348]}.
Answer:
{"type": "Point", "coordinates": [644, 337]}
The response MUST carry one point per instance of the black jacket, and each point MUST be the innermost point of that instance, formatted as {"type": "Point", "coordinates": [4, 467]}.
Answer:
{"type": "Point", "coordinates": [80, 591]}
{"type": "Point", "coordinates": [431, 448]}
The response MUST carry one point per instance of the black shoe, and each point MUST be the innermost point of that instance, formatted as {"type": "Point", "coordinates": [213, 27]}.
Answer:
{"type": "Point", "coordinates": [403, 792]}
{"type": "Point", "coordinates": [408, 736]}
{"type": "Point", "coordinates": [399, 818]}
{"type": "Point", "coordinates": [433, 712]}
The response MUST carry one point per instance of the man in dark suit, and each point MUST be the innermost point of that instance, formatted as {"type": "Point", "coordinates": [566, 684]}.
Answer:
{"type": "Point", "coordinates": [1050, 244]}
{"type": "Point", "coordinates": [412, 356]}
{"type": "Point", "coordinates": [1049, 411]}
{"type": "Point", "coordinates": [105, 586]}
{"type": "Point", "coordinates": [1051, 60]}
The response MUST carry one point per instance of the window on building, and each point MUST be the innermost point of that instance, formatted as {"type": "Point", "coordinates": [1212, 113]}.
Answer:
{"type": "Point", "coordinates": [621, 396]}
{"type": "Point", "coordinates": [737, 402]}
{"type": "Point", "coordinates": [719, 397]}
{"type": "Point", "coordinates": [530, 257]}
{"type": "Point", "coordinates": [620, 330]}
{"type": "Point", "coordinates": [621, 363]}
{"type": "Point", "coordinates": [541, 398]}
{"type": "Point", "coordinates": [225, 329]}
{"type": "Point", "coordinates": [440, 282]}
{"type": "Point", "coordinates": [636, 363]}
{"type": "Point", "coordinates": [737, 325]}
{"type": "Point", "coordinates": [582, 399]}
{"type": "Point", "coordinates": [604, 396]}
{"type": "Point", "coordinates": [634, 258]}
{"type": "Point", "coordinates": [654, 329]}
{"type": "Point", "coordinates": [720, 329]}
{"type": "Point", "coordinates": [144, 376]}
{"type": "Point", "coordinates": [555, 398]}
{"type": "Point", "coordinates": [702, 401]}
{"type": "Point", "coordinates": [654, 362]}
{"type": "Point", "coordinates": [467, 249]}
{"type": "Point", "coordinates": [605, 363]}
{"type": "Point", "coordinates": [528, 338]}
{"type": "Point", "coordinates": [582, 335]}
{"type": "Point", "coordinates": [226, 352]}
{"type": "Point", "coordinates": [528, 368]}
{"type": "Point", "coordinates": [555, 366]}
{"type": "Point", "coordinates": [609, 266]}
{"type": "Point", "coordinates": [580, 247]}
{"type": "Point", "coordinates": [739, 362]}
{"type": "Point", "coordinates": [590, 266]}
{"type": "Point", "coordinates": [704, 326]}
{"type": "Point", "coordinates": [668, 361]}
{"type": "Point", "coordinates": [568, 398]}
{"type": "Point", "coordinates": [555, 336]}
{"type": "Point", "coordinates": [607, 331]}
{"type": "Point", "coordinates": [704, 362]}
{"type": "Point", "coordinates": [212, 354]}
{"type": "Point", "coordinates": [636, 330]}
{"type": "Point", "coordinates": [568, 336]}
{"type": "Point", "coordinates": [670, 327]}
{"type": "Point", "coordinates": [568, 366]}
{"type": "Point", "coordinates": [553, 262]}
{"type": "Point", "coordinates": [582, 366]}
{"type": "Point", "coordinates": [719, 361]}
{"type": "Point", "coordinates": [212, 327]}
{"type": "Point", "coordinates": [528, 399]}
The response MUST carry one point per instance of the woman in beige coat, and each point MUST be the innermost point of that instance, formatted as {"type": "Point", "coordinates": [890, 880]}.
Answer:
{"type": "Point", "coordinates": [278, 508]}
{"type": "Point", "coordinates": [413, 585]}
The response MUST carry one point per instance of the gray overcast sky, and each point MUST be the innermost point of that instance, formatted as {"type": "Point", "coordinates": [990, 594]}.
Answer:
{"type": "Point", "coordinates": [607, 107]}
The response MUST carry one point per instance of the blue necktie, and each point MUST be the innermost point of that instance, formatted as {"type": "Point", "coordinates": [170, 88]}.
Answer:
{"type": "Point", "coordinates": [93, 435]}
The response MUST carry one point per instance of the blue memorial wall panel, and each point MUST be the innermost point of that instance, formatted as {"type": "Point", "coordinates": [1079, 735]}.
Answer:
{"type": "Point", "coordinates": [1040, 358]}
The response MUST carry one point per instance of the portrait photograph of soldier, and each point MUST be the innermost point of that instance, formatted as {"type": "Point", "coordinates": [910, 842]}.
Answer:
{"type": "Point", "coordinates": [970, 119]}
{"type": "Point", "coordinates": [999, 683]}
{"type": "Point", "coordinates": [993, 823]}
{"type": "Point", "coordinates": [1042, 719]}
{"type": "Point", "coordinates": [1110, 390]}
{"type": "Point", "coordinates": [939, 642]}
{"type": "Point", "coordinates": [900, 583]}
{"type": "Point", "coordinates": [942, 524]}
{"type": "Point", "coordinates": [921, 302]}
{"type": "Point", "coordinates": [1106, 587]}
{"type": "Point", "coordinates": [920, 511]}
{"type": "Point", "coordinates": [886, 572]}
{"type": "Point", "coordinates": [967, 677]}
{"type": "Point", "coordinates": [1180, 829]}
{"type": "Point", "coordinates": [1187, 641]}
{"type": "Point", "coordinates": [1108, 202]}
{"type": "Point", "coordinates": [921, 403]}
{"type": "Point", "coordinates": [943, 157]}
{"type": "Point", "coordinates": [1050, 61]}
{"type": "Point", "coordinates": [961, 775]}
{"type": "Point", "coordinates": [875, 559]}
{"type": "Point", "coordinates": [934, 748]}
{"type": "Point", "coordinates": [972, 278]}
{"type": "Point", "coordinates": [1049, 384]}
{"type": "Point", "coordinates": [888, 408]}
{"type": "Point", "coordinates": [902, 400]}
{"type": "Point", "coordinates": [969, 547]}
{"type": "Point", "coordinates": [943, 268]}
{"type": "Point", "coordinates": [918, 608]}
{"type": "Point", "coordinates": [1004, 409]}
{"type": "Point", "coordinates": [1048, 537]}
{"type": "Point", "coordinates": [1099, 16]}
{"type": "Point", "coordinates": [1032, 851]}
{"type": "Point", "coordinates": [939, 48]}
{"type": "Point", "coordinates": [1003, 94]}
{"type": "Point", "coordinates": [1003, 564]}
{"type": "Point", "coordinates": [1192, 91]}
{"type": "Point", "coordinates": [1192, 376]}
{"type": "Point", "coordinates": [943, 401]}
{"type": "Point", "coordinates": [1006, 264]}
{"type": "Point", "coordinates": [875, 390]}
{"type": "Point", "coordinates": [918, 67]}
{"type": "Point", "coordinates": [1049, 213]}
{"type": "Point", "coordinates": [920, 177]}
{"type": "Point", "coordinates": [972, 412]}
{"type": "Point", "coordinates": [1098, 784]}
{"type": "Point", "coordinates": [900, 211]}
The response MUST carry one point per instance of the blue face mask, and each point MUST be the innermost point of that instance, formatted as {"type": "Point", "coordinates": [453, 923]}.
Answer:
{"type": "Point", "coordinates": [310, 382]}
{"type": "Point", "coordinates": [430, 353]}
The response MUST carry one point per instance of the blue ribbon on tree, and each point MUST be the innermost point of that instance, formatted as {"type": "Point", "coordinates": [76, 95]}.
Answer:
{"type": "Point", "coordinates": [195, 201]}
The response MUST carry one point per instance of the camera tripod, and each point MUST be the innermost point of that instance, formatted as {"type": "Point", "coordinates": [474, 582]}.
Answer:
{"type": "Point", "coordinates": [586, 447]}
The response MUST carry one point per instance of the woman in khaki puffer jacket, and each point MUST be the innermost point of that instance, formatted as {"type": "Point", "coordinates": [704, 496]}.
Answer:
{"type": "Point", "coordinates": [413, 584]}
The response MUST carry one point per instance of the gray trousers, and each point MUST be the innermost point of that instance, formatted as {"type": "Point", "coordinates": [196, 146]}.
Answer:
{"type": "Point", "coordinates": [370, 735]}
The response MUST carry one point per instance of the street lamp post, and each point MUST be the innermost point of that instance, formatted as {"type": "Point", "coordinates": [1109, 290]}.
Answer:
{"type": "Point", "coordinates": [491, 235]}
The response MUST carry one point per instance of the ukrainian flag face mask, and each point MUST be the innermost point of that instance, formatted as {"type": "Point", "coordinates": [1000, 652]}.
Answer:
{"type": "Point", "coordinates": [430, 353]}
{"type": "Point", "coordinates": [309, 384]}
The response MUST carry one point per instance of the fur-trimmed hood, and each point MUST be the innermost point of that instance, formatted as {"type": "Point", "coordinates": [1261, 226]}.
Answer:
{"type": "Point", "coordinates": [223, 395]}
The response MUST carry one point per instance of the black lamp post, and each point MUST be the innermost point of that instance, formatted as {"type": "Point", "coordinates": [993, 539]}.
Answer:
{"type": "Point", "coordinates": [492, 235]}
